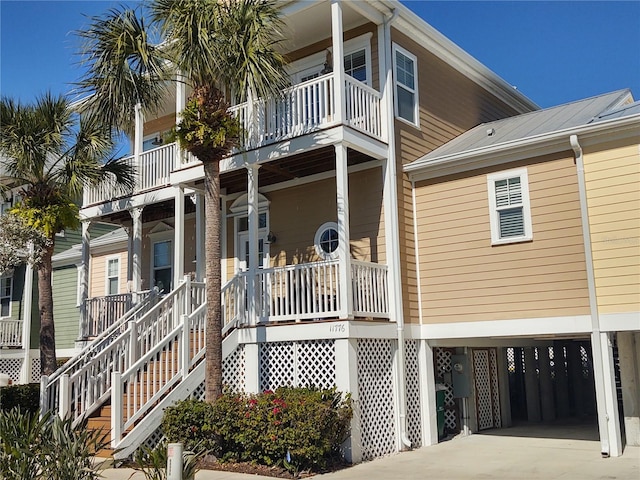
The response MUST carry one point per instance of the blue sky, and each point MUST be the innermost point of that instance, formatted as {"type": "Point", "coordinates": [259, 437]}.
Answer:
{"type": "Point", "coordinates": [554, 52]}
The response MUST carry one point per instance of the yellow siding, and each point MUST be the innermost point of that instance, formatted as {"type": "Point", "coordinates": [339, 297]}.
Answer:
{"type": "Point", "coordinates": [612, 177]}
{"type": "Point", "coordinates": [98, 263]}
{"type": "Point", "coordinates": [296, 213]}
{"type": "Point", "coordinates": [464, 278]}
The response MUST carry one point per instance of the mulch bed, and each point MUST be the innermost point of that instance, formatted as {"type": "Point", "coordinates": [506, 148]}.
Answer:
{"type": "Point", "coordinates": [211, 463]}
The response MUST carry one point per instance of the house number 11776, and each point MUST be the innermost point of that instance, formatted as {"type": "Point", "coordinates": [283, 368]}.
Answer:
{"type": "Point", "coordinates": [337, 328]}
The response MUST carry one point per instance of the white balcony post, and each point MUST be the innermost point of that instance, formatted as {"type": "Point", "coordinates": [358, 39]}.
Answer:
{"type": "Point", "coordinates": [200, 250]}
{"type": "Point", "coordinates": [181, 100]}
{"type": "Point", "coordinates": [344, 250]}
{"type": "Point", "coordinates": [136, 249]}
{"type": "Point", "coordinates": [84, 278]}
{"type": "Point", "coordinates": [178, 243]}
{"type": "Point", "coordinates": [25, 373]}
{"type": "Point", "coordinates": [337, 39]}
{"type": "Point", "coordinates": [253, 220]}
{"type": "Point", "coordinates": [64, 400]}
{"type": "Point", "coordinates": [137, 142]}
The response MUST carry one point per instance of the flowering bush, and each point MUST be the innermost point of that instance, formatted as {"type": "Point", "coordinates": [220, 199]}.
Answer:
{"type": "Point", "coordinates": [298, 428]}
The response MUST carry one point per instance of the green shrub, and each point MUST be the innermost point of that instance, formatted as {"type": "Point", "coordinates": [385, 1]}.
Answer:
{"type": "Point", "coordinates": [27, 397]}
{"type": "Point", "coordinates": [298, 428]}
{"type": "Point", "coordinates": [192, 423]}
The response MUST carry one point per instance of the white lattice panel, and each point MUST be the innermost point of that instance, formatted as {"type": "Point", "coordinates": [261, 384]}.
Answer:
{"type": "Point", "coordinates": [36, 371]}
{"type": "Point", "coordinates": [584, 360]}
{"type": "Point", "coordinates": [376, 394]}
{"type": "Point", "coordinates": [233, 370]}
{"type": "Point", "coordinates": [443, 365]}
{"type": "Point", "coordinates": [316, 364]}
{"type": "Point", "coordinates": [412, 374]}
{"type": "Point", "coordinates": [483, 389]}
{"type": "Point", "coordinates": [277, 367]}
{"type": "Point", "coordinates": [495, 392]}
{"type": "Point", "coordinates": [154, 439]}
{"type": "Point", "coordinates": [199, 392]}
{"type": "Point", "coordinates": [11, 367]}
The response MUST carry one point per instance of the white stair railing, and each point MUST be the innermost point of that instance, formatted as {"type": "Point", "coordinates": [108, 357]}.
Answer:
{"type": "Point", "coordinates": [139, 388]}
{"type": "Point", "coordinates": [234, 302]}
{"type": "Point", "coordinates": [85, 386]}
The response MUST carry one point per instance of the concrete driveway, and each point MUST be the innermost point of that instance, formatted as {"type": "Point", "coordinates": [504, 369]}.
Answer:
{"type": "Point", "coordinates": [529, 452]}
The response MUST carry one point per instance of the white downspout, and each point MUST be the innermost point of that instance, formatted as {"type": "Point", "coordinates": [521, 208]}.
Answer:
{"type": "Point", "coordinates": [604, 421]}
{"type": "Point", "coordinates": [392, 230]}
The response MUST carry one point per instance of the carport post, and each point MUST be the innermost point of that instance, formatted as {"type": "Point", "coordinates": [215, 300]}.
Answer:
{"type": "Point", "coordinates": [546, 385]}
{"type": "Point", "coordinates": [427, 393]}
{"type": "Point", "coordinates": [532, 390]}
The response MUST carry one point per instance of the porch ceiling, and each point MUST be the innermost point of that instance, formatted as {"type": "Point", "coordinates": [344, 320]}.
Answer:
{"type": "Point", "coordinates": [289, 168]}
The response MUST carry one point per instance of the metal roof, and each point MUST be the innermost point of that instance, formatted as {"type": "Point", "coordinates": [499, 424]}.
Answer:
{"type": "Point", "coordinates": [532, 124]}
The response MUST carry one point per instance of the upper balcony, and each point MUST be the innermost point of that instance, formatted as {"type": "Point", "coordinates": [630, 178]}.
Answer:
{"type": "Point", "coordinates": [300, 110]}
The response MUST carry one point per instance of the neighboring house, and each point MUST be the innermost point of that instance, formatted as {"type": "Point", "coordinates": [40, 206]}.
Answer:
{"type": "Point", "coordinates": [19, 338]}
{"type": "Point", "coordinates": [340, 269]}
{"type": "Point", "coordinates": [527, 236]}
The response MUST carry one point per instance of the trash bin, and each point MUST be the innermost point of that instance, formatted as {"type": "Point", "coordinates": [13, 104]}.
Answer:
{"type": "Point", "coordinates": [440, 389]}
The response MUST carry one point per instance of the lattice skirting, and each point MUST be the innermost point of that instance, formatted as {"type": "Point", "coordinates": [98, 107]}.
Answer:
{"type": "Point", "coordinates": [376, 397]}
{"type": "Point", "coordinates": [298, 364]}
{"type": "Point", "coordinates": [13, 366]}
{"type": "Point", "coordinates": [442, 358]}
{"type": "Point", "coordinates": [412, 376]}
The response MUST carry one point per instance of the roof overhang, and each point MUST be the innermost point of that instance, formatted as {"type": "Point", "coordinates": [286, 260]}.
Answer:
{"type": "Point", "coordinates": [557, 141]}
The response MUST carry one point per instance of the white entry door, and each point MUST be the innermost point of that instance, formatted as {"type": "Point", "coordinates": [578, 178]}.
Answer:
{"type": "Point", "coordinates": [263, 250]}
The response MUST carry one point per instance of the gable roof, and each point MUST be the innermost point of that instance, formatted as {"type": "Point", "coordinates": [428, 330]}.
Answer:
{"type": "Point", "coordinates": [536, 129]}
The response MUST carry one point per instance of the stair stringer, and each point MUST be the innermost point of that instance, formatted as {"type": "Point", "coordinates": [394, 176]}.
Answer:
{"type": "Point", "coordinates": [183, 390]}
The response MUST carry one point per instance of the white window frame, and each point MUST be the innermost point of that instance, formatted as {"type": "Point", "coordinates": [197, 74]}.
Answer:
{"type": "Point", "coordinates": [416, 101]}
{"type": "Point", "coordinates": [107, 276]}
{"type": "Point", "coordinates": [316, 241]}
{"type": "Point", "coordinates": [493, 208]}
{"type": "Point", "coordinates": [306, 65]}
{"type": "Point", "coordinates": [10, 277]}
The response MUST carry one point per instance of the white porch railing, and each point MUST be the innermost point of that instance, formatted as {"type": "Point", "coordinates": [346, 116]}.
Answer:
{"type": "Point", "coordinates": [102, 312]}
{"type": "Point", "coordinates": [234, 302]}
{"type": "Point", "coordinates": [300, 109]}
{"type": "Point", "coordinates": [370, 289]}
{"type": "Point", "coordinates": [298, 292]}
{"type": "Point", "coordinates": [10, 332]}
{"type": "Point", "coordinates": [82, 386]}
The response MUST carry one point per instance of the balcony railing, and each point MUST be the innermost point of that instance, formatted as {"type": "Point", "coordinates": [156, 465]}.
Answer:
{"type": "Point", "coordinates": [10, 332]}
{"type": "Point", "coordinates": [299, 110]}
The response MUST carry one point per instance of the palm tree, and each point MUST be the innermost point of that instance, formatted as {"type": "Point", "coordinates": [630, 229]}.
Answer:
{"type": "Point", "coordinates": [51, 154]}
{"type": "Point", "coordinates": [217, 47]}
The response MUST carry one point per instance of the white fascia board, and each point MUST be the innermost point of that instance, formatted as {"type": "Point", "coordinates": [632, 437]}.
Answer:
{"type": "Point", "coordinates": [529, 147]}
{"type": "Point", "coordinates": [620, 322]}
{"type": "Point", "coordinates": [571, 325]}
{"type": "Point", "coordinates": [139, 200]}
{"type": "Point", "coordinates": [409, 23]}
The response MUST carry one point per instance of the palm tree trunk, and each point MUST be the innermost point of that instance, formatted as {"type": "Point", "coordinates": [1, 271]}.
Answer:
{"type": "Point", "coordinates": [213, 375]}
{"type": "Point", "coordinates": [48, 363]}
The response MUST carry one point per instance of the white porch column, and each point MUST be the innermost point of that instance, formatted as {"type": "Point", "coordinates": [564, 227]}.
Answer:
{"type": "Point", "coordinates": [344, 250]}
{"type": "Point", "coordinates": [181, 100]}
{"type": "Point", "coordinates": [337, 40]}
{"type": "Point", "coordinates": [84, 278]}
{"type": "Point", "coordinates": [138, 139]}
{"type": "Point", "coordinates": [178, 241]}
{"type": "Point", "coordinates": [546, 384]}
{"type": "Point", "coordinates": [347, 381]}
{"type": "Point", "coordinates": [200, 250]}
{"type": "Point", "coordinates": [136, 249]}
{"type": "Point", "coordinates": [427, 394]}
{"type": "Point", "coordinates": [27, 295]}
{"type": "Point", "coordinates": [606, 396]}
{"type": "Point", "coordinates": [252, 213]}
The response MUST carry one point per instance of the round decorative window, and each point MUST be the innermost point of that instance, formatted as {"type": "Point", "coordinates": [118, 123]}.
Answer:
{"type": "Point", "coordinates": [326, 241]}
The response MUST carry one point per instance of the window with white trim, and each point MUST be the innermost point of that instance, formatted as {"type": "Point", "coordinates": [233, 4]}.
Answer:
{"type": "Point", "coordinates": [405, 70]}
{"type": "Point", "coordinates": [5, 296]}
{"type": "Point", "coordinates": [355, 64]}
{"type": "Point", "coordinates": [326, 241]}
{"type": "Point", "coordinates": [113, 275]}
{"type": "Point", "coordinates": [509, 208]}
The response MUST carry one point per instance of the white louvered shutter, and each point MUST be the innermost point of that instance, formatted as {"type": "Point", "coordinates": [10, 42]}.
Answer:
{"type": "Point", "coordinates": [509, 207]}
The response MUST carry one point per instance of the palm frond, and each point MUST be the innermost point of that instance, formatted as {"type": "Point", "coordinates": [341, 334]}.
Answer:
{"type": "Point", "coordinates": [123, 68]}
